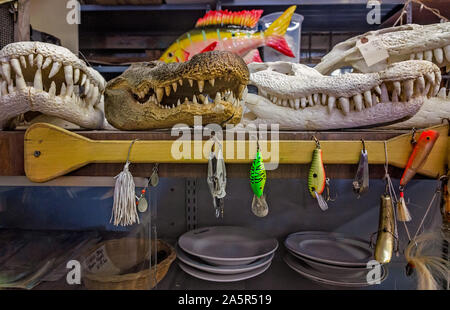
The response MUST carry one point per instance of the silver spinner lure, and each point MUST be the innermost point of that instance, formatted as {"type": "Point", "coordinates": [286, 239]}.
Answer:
{"type": "Point", "coordinates": [217, 178]}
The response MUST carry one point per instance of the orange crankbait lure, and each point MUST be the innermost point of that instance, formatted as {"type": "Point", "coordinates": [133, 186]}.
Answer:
{"type": "Point", "coordinates": [422, 148]}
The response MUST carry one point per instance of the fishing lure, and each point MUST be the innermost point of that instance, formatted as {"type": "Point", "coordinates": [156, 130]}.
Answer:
{"type": "Point", "coordinates": [422, 148]}
{"type": "Point", "coordinates": [316, 178]}
{"type": "Point", "coordinates": [361, 181]}
{"type": "Point", "coordinates": [217, 179]}
{"type": "Point", "coordinates": [386, 230]}
{"type": "Point", "coordinates": [228, 31]}
{"type": "Point", "coordinates": [257, 182]}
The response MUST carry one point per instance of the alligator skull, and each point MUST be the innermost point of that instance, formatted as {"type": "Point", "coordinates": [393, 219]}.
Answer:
{"type": "Point", "coordinates": [43, 77]}
{"type": "Point", "coordinates": [298, 97]}
{"type": "Point", "coordinates": [429, 42]}
{"type": "Point", "coordinates": [161, 95]}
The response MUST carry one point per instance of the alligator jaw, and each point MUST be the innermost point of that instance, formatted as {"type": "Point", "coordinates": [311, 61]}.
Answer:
{"type": "Point", "coordinates": [42, 77]}
{"type": "Point", "coordinates": [428, 42]}
{"type": "Point", "coordinates": [159, 95]}
{"type": "Point", "coordinates": [310, 101]}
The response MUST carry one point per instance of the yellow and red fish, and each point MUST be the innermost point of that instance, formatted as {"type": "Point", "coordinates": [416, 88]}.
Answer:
{"type": "Point", "coordinates": [225, 31]}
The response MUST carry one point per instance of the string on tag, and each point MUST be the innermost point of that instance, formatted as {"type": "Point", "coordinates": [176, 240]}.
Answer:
{"type": "Point", "coordinates": [434, 11]}
{"type": "Point", "coordinates": [124, 210]}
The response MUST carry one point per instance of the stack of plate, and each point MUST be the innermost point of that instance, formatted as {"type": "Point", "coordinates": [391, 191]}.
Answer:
{"type": "Point", "coordinates": [225, 253]}
{"type": "Point", "coordinates": [332, 259]}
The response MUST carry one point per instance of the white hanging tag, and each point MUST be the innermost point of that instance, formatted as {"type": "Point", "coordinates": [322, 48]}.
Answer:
{"type": "Point", "coordinates": [372, 50]}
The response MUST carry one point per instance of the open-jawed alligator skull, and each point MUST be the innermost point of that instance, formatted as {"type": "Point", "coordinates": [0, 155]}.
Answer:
{"type": "Point", "coordinates": [50, 79]}
{"type": "Point", "coordinates": [429, 42]}
{"type": "Point", "coordinates": [298, 97]}
{"type": "Point", "coordinates": [161, 95]}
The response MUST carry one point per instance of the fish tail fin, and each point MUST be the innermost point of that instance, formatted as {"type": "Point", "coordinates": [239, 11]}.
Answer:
{"type": "Point", "coordinates": [275, 33]}
{"type": "Point", "coordinates": [252, 56]}
{"type": "Point", "coordinates": [322, 203]}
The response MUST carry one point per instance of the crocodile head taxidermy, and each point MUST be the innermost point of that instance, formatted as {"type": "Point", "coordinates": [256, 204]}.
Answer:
{"type": "Point", "coordinates": [161, 95]}
{"type": "Point", "coordinates": [429, 42]}
{"type": "Point", "coordinates": [298, 97]}
{"type": "Point", "coordinates": [50, 79]}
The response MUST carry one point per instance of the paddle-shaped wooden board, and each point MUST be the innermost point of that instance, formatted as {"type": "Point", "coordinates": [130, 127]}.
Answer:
{"type": "Point", "coordinates": [51, 151]}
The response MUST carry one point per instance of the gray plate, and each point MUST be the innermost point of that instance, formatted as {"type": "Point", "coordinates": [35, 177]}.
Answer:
{"type": "Point", "coordinates": [330, 248]}
{"type": "Point", "coordinates": [223, 277]}
{"type": "Point", "coordinates": [227, 245]}
{"type": "Point", "coordinates": [325, 268]}
{"type": "Point", "coordinates": [330, 279]}
{"type": "Point", "coordinates": [199, 264]}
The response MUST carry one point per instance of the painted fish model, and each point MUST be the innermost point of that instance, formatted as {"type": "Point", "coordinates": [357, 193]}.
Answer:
{"type": "Point", "coordinates": [419, 155]}
{"type": "Point", "coordinates": [257, 182]}
{"type": "Point", "coordinates": [317, 178]}
{"type": "Point", "coordinates": [224, 30]}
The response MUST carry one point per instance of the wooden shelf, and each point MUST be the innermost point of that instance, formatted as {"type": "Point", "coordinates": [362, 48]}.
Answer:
{"type": "Point", "coordinates": [12, 160]}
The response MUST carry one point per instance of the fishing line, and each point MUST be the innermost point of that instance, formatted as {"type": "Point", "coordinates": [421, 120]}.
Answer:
{"type": "Point", "coordinates": [391, 191]}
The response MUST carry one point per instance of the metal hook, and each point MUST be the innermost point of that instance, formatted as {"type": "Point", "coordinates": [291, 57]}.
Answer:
{"type": "Point", "coordinates": [316, 140]}
{"type": "Point", "coordinates": [364, 145]}
{"type": "Point", "coordinates": [413, 136]}
{"type": "Point", "coordinates": [129, 149]}
{"type": "Point", "coordinates": [327, 185]}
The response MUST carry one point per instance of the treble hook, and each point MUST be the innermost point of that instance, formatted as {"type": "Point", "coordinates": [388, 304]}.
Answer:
{"type": "Point", "coordinates": [327, 183]}
{"type": "Point", "coordinates": [129, 149]}
{"type": "Point", "coordinates": [316, 140]}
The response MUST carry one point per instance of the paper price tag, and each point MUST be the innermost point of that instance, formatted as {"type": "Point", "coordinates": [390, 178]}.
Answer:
{"type": "Point", "coordinates": [99, 263]}
{"type": "Point", "coordinates": [372, 50]}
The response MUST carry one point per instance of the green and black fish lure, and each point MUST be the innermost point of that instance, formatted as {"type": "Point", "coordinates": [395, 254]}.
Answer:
{"type": "Point", "coordinates": [257, 182]}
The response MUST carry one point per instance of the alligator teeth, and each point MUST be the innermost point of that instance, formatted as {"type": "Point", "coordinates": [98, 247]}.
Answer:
{"type": "Point", "coordinates": [408, 85]}
{"type": "Point", "coordinates": [52, 90]}
{"type": "Point", "coordinates": [368, 98]}
{"type": "Point", "coordinates": [20, 81]}
{"type": "Point", "coordinates": [447, 52]}
{"type": "Point", "coordinates": [412, 56]}
{"type": "Point", "coordinates": [39, 61]}
{"type": "Point", "coordinates": [420, 84]}
{"type": "Point", "coordinates": [394, 96]}
{"type": "Point", "coordinates": [358, 102]}
{"type": "Point", "coordinates": [427, 89]}
{"type": "Point", "coordinates": [191, 82]}
{"type": "Point", "coordinates": [384, 93]}
{"type": "Point", "coordinates": [178, 102]}
{"type": "Point", "coordinates": [47, 62]}
{"type": "Point", "coordinates": [291, 103]}
{"type": "Point", "coordinates": [95, 96]}
{"type": "Point", "coordinates": [201, 85]}
{"type": "Point", "coordinates": [194, 99]}
{"type": "Point", "coordinates": [186, 100]}
{"type": "Point", "coordinates": [6, 72]}
{"type": "Point", "coordinates": [63, 90]}
{"type": "Point", "coordinates": [442, 93]}
{"type": "Point", "coordinates": [419, 56]}
{"type": "Point", "coordinates": [316, 98]}
{"type": "Point", "coordinates": [31, 60]}
{"type": "Point", "coordinates": [174, 86]}
{"type": "Point", "coordinates": [439, 55]}
{"type": "Point", "coordinates": [37, 83]}
{"type": "Point", "coordinates": [168, 89]}
{"type": "Point", "coordinates": [83, 79]}
{"type": "Point", "coordinates": [344, 105]}
{"type": "Point", "coordinates": [430, 77]}
{"type": "Point", "coordinates": [212, 81]}
{"type": "Point", "coordinates": [159, 94]}
{"type": "Point", "coordinates": [218, 98]}
{"type": "Point", "coordinates": [87, 87]}
{"type": "Point", "coordinates": [3, 88]}
{"type": "Point", "coordinates": [68, 74]}
{"type": "Point", "coordinates": [55, 69]}
{"type": "Point", "coordinates": [428, 55]}
{"type": "Point", "coordinates": [10, 88]}
{"type": "Point", "coordinates": [241, 90]}
{"type": "Point", "coordinates": [378, 89]}
{"type": "Point", "coordinates": [303, 102]}
{"type": "Point", "coordinates": [23, 62]}
{"type": "Point", "coordinates": [310, 101]}
{"type": "Point", "coordinates": [324, 99]}
{"type": "Point", "coordinates": [180, 81]}
{"type": "Point", "coordinates": [284, 102]}
{"type": "Point", "coordinates": [331, 103]}
{"type": "Point", "coordinates": [375, 99]}
{"type": "Point", "coordinates": [76, 75]}
{"type": "Point", "coordinates": [398, 87]}
{"type": "Point", "coordinates": [297, 104]}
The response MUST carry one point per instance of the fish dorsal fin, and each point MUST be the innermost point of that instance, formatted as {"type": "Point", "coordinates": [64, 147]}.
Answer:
{"type": "Point", "coordinates": [225, 17]}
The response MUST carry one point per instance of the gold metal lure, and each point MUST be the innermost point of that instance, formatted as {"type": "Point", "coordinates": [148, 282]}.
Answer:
{"type": "Point", "coordinates": [386, 228]}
